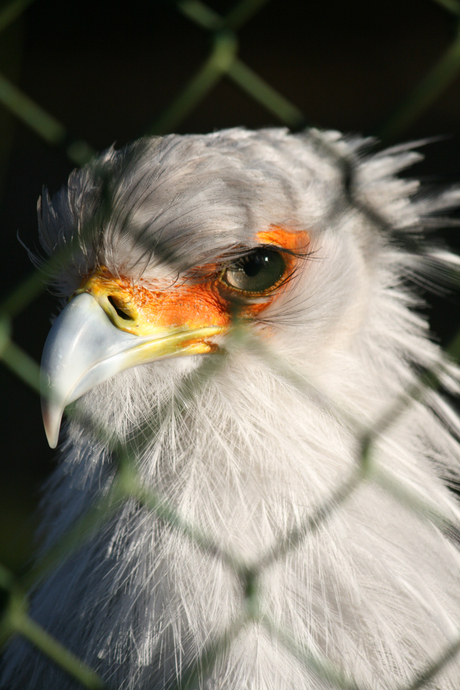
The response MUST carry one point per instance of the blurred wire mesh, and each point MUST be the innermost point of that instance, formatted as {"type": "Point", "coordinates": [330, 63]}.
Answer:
{"type": "Point", "coordinates": [188, 66]}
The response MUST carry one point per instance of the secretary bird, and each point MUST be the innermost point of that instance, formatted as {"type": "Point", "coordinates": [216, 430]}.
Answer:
{"type": "Point", "coordinates": [241, 331]}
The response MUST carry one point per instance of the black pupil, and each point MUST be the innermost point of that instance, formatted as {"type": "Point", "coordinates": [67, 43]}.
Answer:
{"type": "Point", "coordinates": [255, 263]}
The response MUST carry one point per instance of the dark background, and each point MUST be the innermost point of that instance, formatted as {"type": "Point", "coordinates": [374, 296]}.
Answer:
{"type": "Point", "coordinates": [106, 70]}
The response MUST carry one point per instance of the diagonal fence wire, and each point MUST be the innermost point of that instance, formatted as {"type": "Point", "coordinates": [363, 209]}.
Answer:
{"type": "Point", "coordinates": [223, 62]}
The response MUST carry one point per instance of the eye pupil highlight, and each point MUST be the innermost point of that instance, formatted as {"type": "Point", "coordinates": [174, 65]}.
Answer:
{"type": "Point", "coordinates": [256, 272]}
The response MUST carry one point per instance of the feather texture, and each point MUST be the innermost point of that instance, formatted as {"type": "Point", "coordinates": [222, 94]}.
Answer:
{"type": "Point", "coordinates": [248, 454]}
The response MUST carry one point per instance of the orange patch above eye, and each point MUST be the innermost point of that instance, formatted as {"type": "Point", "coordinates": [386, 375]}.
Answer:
{"type": "Point", "coordinates": [292, 240]}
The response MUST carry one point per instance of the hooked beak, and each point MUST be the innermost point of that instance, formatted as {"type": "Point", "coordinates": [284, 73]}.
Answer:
{"type": "Point", "coordinates": [84, 348]}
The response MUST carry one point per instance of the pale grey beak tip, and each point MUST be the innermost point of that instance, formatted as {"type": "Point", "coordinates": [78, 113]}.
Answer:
{"type": "Point", "coordinates": [52, 417]}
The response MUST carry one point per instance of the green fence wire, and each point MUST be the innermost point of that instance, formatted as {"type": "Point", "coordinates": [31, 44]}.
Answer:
{"type": "Point", "coordinates": [223, 62]}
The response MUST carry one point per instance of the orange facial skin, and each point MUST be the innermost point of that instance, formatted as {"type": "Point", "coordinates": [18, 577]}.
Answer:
{"type": "Point", "coordinates": [210, 303]}
{"type": "Point", "coordinates": [143, 310]}
{"type": "Point", "coordinates": [297, 241]}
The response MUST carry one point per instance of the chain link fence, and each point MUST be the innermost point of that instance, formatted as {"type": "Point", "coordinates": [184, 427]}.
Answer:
{"type": "Point", "coordinates": [223, 62]}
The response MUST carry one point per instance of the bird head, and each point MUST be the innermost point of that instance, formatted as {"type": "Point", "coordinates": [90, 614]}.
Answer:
{"type": "Point", "coordinates": [168, 243]}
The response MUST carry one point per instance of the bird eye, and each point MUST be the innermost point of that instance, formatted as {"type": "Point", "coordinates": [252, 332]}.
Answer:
{"type": "Point", "coordinates": [255, 272]}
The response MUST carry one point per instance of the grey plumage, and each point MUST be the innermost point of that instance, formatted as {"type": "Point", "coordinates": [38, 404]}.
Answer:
{"type": "Point", "coordinates": [249, 454]}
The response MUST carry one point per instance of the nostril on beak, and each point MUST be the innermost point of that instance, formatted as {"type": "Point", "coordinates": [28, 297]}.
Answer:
{"type": "Point", "coordinates": [121, 310]}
